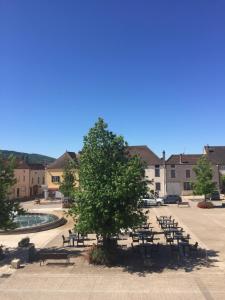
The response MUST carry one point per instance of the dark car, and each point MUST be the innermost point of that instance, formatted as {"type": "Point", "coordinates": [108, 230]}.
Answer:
{"type": "Point", "coordinates": [214, 196]}
{"type": "Point", "coordinates": [172, 199]}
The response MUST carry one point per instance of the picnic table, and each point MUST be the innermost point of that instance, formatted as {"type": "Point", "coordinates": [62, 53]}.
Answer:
{"type": "Point", "coordinates": [145, 235]}
{"type": "Point", "coordinates": [173, 231]}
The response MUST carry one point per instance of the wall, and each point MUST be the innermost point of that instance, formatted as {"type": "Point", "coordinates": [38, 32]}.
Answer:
{"type": "Point", "coordinates": [37, 178]}
{"type": "Point", "coordinates": [22, 183]}
{"type": "Point", "coordinates": [150, 174]}
{"type": "Point", "coordinates": [48, 177]}
{"type": "Point", "coordinates": [177, 184]}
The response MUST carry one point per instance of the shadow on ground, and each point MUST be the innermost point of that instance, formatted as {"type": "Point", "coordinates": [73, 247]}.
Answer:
{"type": "Point", "coordinates": [157, 258]}
{"type": "Point", "coordinates": [139, 260]}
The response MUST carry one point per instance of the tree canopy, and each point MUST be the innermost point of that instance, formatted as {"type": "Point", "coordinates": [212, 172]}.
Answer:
{"type": "Point", "coordinates": [111, 183]}
{"type": "Point", "coordinates": [204, 184]}
{"type": "Point", "coordinates": [8, 208]}
{"type": "Point", "coordinates": [68, 183]}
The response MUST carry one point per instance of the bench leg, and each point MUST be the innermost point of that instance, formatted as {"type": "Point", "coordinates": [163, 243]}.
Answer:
{"type": "Point", "coordinates": [41, 261]}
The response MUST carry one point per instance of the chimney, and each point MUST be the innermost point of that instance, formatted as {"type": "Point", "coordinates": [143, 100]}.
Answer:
{"type": "Point", "coordinates": [180, 158]}
{"type": "Point", "coordinates": [164, 155]}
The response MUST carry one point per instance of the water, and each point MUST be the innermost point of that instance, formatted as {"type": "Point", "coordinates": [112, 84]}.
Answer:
{"type": "Point", "coordinates": [32, 220]}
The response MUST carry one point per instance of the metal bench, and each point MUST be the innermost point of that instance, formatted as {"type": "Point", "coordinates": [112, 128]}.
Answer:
{"type": "Point", "coordinates": [56, 256]}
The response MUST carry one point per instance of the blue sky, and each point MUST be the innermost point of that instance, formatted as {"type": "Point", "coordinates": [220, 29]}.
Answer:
{"type": "Point", "coordinates": [154, 70]}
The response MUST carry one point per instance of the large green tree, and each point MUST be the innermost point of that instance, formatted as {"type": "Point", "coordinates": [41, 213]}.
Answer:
{"type": "Point", "coordinates": [203, 184]}
{"type": "Point", "coordinates": [68, 183]}
{"type": "Point", "coordinates": [8, 208]}
{"type": "Point", "coordinates": [110, 185]}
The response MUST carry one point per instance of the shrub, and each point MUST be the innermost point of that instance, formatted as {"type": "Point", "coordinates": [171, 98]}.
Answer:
{"type": "Point", "coordinates": [205, 204]}
{"type": "Point", "coordinates": [98, 255]}
{"type": "Point", "coordinates": [24, 242]}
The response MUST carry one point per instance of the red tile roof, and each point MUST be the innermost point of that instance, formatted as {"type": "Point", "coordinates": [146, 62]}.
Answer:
{"type": "Point", "coordinates": [60, 162]}
{"type": "Point", "coordinates": [146, 155]}
{"type": "Point", "coordinates": [188, 159]}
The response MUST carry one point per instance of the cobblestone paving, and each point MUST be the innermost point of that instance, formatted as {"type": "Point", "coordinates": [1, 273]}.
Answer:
{"type": "Point", "coordinates": [80, 280]}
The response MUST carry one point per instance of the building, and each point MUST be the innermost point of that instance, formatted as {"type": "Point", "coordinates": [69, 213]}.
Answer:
{"type": "Point", "coordinates": [216, 155]}
{"type": "Point", "coordinates": [29, 178]}
{"type": "Point", "coordinates": [54, 172]}
{"type": "Point", "coordinates": [154, 168]}
{"type": "Point", "coordinates": [180, 174]}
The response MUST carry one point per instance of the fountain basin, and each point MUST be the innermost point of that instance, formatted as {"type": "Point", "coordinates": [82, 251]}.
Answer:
{"type": "Point", "coordinates": [34, 222]}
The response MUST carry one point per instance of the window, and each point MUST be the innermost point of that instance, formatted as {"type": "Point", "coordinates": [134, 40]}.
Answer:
{"type": "Point", "coordinates": [32, 180]}
{"type": "Point", "coordinates": [157, 171]}
{"type": "Point", "coordinates": [38, 180]}
{"type": "Point", "coordinates": [55, 178]}
{"type": "Point", "coordinates": [23, 178]}
{"type": "Point", "coordinates": [172, 174]}
{"type": "Point", "coordinates": [157, 186]}
{"type": "Point", "coordinates": [172, 166]}
{"type": "Point", "coordinates": [188, 173]}
{"type": "Point", "coordinates": [187, 186]}
{"type": "Point", "coordinates": [43, 180]}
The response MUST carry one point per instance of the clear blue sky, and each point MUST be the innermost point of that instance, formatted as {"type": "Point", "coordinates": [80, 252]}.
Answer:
{"type": "Point", "coordinates": [154, 70]}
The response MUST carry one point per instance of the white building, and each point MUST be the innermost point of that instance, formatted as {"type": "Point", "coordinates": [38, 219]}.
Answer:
{"type": "Point", "coordinates": [154, 168]}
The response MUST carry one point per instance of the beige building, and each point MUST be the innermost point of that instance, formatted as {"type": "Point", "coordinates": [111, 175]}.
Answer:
{"type": "Point", "coordinates": [54, 172]}
{"type": "Point", "coordinates": [180, 174]}
{"type": "Point", "coordinates": [216, 155]}
{"type": "Point", "coordinates": [29, 178]}
{"type": "Point", "coordinates": [154, 168]}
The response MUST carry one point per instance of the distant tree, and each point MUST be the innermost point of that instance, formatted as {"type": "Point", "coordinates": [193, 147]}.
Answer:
{"type": "Point", "coordinates": [8, 208]}
{"type": "Point", "coordinates": [67, 186]}
{"type": "Point", "coordinates": [204, 184]}
{"type": "Point", "coordinates": [110, 185]}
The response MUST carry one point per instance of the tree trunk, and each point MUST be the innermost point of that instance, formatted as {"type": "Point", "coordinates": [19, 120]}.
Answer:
{"type": "Point", "coordinates": [106, 242]}
{"type": "Point", "coordinates": [109, 243]}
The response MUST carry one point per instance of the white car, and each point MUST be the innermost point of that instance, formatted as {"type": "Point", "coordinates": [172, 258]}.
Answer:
{"type": "Point", "coordinates": [152, 201]}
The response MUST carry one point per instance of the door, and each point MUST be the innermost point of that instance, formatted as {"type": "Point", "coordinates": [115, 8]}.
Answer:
{"type": "Point", "coordinates": [17, 192]}
{"type": "Point", "coordinates": [173, 188]}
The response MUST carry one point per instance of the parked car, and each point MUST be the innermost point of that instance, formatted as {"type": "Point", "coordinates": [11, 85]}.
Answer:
{"type": "Point", "coordinates": [214, 196]}
{"type": "Point", "coordinates": [150, 200]}
{"type": "Point", "coordinates": [172, 199]}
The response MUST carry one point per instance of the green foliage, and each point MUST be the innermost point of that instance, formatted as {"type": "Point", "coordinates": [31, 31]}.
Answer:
{"type": "Point", "coordinates": [31, 158]}
{"type": "Point", "coordinates": [8, 208]}
{"type": "Point", "coordinates": [67, 186]}
{"type": "Point", "coordinates": [110, 184]}
{"type": "Point", "coordinates": [98, 255]}
{"type": "Point", "coordinates": [204, 175]}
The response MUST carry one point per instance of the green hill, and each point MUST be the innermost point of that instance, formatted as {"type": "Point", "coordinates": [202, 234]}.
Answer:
{"type": "Point", "coordinates": [30, 157]}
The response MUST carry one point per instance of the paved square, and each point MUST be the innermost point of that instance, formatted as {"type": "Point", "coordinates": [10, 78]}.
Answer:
{"type": "Point", "coordinates": [80, 280]}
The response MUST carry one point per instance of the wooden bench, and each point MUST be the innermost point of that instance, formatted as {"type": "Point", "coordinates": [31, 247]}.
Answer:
{"type": "Point", "coordinates": [183, 203]}
{"type": "Point", "coordinates": [47, 256]}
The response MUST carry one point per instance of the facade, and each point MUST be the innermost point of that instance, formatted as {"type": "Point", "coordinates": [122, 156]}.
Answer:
{"type": "Point", "coordinates": [216, 155]}
{"type": "Point", "coordinates": [154, 168]}
{"type": "Point", "coordinates": [172, 176]}
{"type": "Point", "coordinates": [29, 178]}
{"type": "Point", "coordinates": [180, 174]}
{"type": "Point", "coordinates": [54, 171]}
